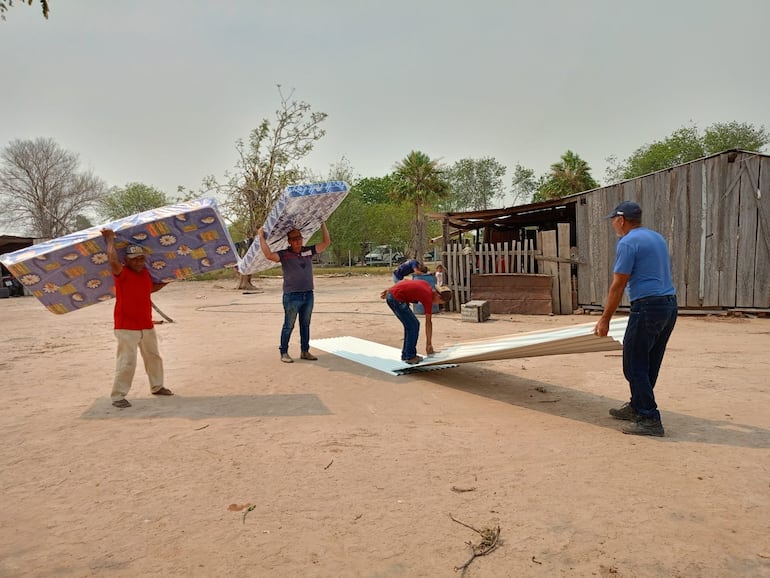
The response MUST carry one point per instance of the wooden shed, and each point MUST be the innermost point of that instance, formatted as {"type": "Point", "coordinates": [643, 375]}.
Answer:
{"type": "Point", "coordinates": [714, 213]}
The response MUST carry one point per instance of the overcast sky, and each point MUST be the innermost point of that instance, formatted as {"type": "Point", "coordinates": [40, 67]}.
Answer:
{"type": "Point", "coordinates": [159, 91]}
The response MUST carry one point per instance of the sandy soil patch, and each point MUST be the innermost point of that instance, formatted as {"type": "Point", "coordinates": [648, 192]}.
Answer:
{"type": "Point", "coordinates": [328, 468]}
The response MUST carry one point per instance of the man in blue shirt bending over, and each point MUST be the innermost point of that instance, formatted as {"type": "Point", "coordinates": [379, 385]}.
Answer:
{"type": "Point", "coordinates": [642, 269]}
{"type": "Point", "coordinates": [407, 268]}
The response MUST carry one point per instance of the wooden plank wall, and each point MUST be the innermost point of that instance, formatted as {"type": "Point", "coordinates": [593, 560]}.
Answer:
{"type": "Point", "coordinates": [548, 266]}
{"type": "Point", "coordinates": [715, 215]}
{"type": "Point", "coordinates": [758, 169]}
{"type": "Point", "coordinates": [520, 293]}
{"type": "Point", "coordinates": [555, 260]}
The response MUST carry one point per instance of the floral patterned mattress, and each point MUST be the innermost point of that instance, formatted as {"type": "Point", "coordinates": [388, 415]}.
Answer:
{"type": "Point", "coordinates": [72, 272]}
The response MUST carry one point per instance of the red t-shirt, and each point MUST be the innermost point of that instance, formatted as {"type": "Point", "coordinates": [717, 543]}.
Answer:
{"type": "Point", "coordinates": [417, 291]}
{"type": "Point", "coordinates": [133, 307]}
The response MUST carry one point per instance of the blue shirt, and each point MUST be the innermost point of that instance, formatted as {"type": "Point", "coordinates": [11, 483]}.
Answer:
{"type": "Point", "coordinates": [642, 254]}
{"type": "Point", "coordinates": [405, 268]}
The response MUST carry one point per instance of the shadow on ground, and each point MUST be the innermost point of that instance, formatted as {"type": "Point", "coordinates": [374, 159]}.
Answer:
{"type": "Point", "coordinates": [563, 401]}
{"type": "Point", "coordinates": [206, 407]}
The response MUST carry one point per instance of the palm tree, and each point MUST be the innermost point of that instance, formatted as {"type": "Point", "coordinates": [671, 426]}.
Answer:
{"type": "Point", "coordinates": [420, 181]}
{"type": "Point", "coordinates": [570, 175]}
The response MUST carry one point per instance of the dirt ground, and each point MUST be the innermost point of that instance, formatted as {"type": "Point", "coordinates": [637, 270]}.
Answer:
{"type": "Point", "coordinates": [331, 469]}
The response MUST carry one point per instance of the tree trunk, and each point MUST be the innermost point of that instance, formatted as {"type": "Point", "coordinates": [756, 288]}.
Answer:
{"type": "Point", "coordinates": [244, 282]}
{"type": "Point", "coordinates": [418, 233]}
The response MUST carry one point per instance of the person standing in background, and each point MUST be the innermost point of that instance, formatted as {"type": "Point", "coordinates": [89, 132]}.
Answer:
{"type": "Point", "coordinates": [439, 274]}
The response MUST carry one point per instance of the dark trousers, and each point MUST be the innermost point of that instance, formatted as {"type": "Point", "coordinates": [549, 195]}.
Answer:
{"type": "Point", "coordinates": [411, 326]}
{"type": "Point", "coordinates": [299, 303]}
{"type": "Point", "coordinates": [650, 325]}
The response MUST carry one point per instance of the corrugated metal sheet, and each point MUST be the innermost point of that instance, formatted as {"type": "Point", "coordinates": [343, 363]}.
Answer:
{"type": "Point", "coordinates": [565, 340]}
{"type": "Point", "coordinates": [374, 355]}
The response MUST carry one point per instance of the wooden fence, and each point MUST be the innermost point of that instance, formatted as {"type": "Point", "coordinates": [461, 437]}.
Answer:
{"type": "Point", "coordinates": [553, 257]}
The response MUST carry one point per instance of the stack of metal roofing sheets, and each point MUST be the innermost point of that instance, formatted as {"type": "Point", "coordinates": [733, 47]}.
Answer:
{"type": "Point", "coordinates": [564, 340]}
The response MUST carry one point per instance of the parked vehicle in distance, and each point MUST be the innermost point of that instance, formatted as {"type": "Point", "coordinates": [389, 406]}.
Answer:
{"type": "Point", "coordinates": [9, 285]}
{"type": "Point", "coordinates": [383, 255]}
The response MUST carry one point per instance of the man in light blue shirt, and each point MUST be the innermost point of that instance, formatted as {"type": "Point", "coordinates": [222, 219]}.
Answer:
{"type": "Point", "coordinates": [643, 270]}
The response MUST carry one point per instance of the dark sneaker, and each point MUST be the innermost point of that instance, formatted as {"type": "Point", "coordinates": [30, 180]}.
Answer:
{"type": "Point", "coordinates": [414, 360]}
{"type": "Point", "coordinates": [286, 358]}
{"type": "Point", "coordinates": [625, 412]}
{"type": "Point", "coordinates": [121, 403]}
{"type": "Point", "coordinates": [308, 356]}
{"type": "Point", "coordinates": [163, 391]}
{"type": "Point", "coordinates": [645, 427]}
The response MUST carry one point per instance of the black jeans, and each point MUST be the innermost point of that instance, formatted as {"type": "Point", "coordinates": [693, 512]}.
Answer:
{"type": "Point", "coordinates": [650, 325]}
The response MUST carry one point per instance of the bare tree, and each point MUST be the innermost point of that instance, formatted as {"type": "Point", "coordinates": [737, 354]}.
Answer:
{"type": "Point", "coordinates": [267, 164]}
{"type": "Point", "coordinates": [5, 4]}
{"type": "Point", "coordinates": [41, 188]}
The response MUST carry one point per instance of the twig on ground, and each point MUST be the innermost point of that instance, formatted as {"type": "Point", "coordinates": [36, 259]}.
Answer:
{"type": "Point", "coordinates": [461, 490]}
{"type": "Point", "coordinates": [329, 465]}
{"type": "Point", "coordinates": [202, 427]}
{"type": "Point", "coordinates": [249, 509]}
{"type": "Point", "coordinates": [489, 541]}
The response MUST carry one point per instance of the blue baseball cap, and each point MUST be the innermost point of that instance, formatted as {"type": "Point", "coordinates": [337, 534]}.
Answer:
{"type": "Point", "coordinates": [627, 209]}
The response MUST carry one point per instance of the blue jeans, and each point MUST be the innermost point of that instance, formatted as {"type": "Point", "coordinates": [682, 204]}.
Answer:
{"type": "Point", "coordinates": [411, 326]}
{"type": "Point", "coordinates": [299, 303]}
{"type": "Point", "coordinates": [650, 325]}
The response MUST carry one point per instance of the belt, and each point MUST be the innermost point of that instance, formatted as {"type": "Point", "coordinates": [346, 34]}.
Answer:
{"type": "Point", "coordinates": [653, 298]}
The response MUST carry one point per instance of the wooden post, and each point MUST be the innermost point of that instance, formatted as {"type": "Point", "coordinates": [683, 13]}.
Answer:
{"type": "Point", "coordinates": [565, 269]}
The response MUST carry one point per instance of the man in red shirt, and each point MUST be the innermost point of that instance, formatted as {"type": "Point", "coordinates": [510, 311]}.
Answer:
{"type": "Point", "coordinates": [399, 297]}
{"type": "Point", "coordinates": [134, 328]}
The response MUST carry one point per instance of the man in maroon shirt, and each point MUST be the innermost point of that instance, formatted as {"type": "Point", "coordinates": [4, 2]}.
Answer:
{"type": "Point", "coordinates": [399, 297]}
{"type": "Point", "coordinates": [134, 328]}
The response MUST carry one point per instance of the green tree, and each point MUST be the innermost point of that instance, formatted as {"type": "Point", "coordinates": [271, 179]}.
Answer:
{"type": "Point", "coordinates": [475, 184]}
{"type": "Point", "coordinates": [267, 164]}
{"type": "Point", "coordinates": [722, 136]}
{"type": "Point", "coordinates": [687, 144]}
{"type": "Point", "coordinates": [6, 4]}
{"type": "Point", "coordinates": [375, 190]}
{"type": "Point", "coordinates": [570, 175]}
{"type": "Point", "coordinates": [683, 145]}
{"type": "Point", "coordinates": [419, 181]}
{"type": "Point", "coordinates": [42, 189]}
{"type": "Point", "coordinates": [369, 217]}
{"type": "Point", "coordinates": [132, 199]}
{"type": "Point", "coordinates": [524, 185]}
{"type": "Point", "coordinates": [347, 228]}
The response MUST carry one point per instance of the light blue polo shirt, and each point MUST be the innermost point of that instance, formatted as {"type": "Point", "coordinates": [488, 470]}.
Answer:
{"type": "Point", "coordinates": [643, 255]}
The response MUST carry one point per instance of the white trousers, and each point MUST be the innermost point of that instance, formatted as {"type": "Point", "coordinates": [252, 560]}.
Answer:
{"type": "Point", "coordinates": [125, 367]}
